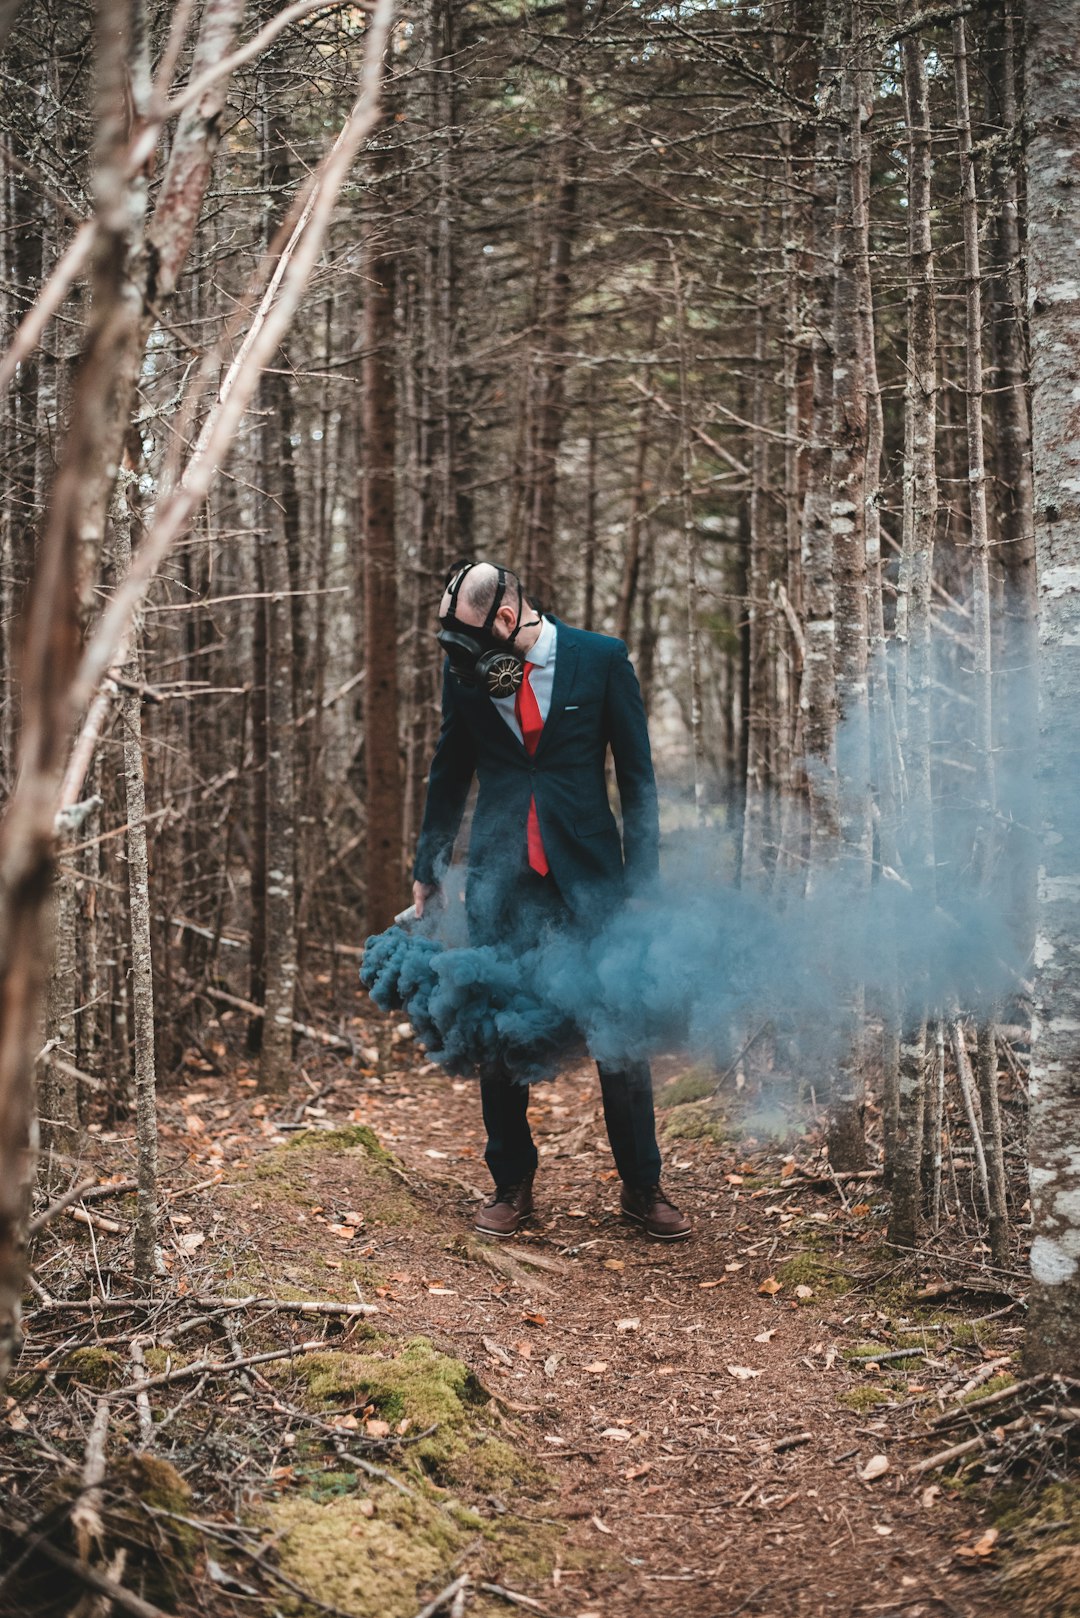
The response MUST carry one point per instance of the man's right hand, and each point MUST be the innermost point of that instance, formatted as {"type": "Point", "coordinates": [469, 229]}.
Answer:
{"type": "Point", "coordinates": [421, 893]}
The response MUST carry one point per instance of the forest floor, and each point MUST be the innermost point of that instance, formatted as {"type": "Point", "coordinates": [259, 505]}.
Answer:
{"type": "Point", "coordinates": [578, 1421]}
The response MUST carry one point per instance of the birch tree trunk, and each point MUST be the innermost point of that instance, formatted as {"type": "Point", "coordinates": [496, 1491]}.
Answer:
{"type": "Point", "coordinates": [1053, 174]}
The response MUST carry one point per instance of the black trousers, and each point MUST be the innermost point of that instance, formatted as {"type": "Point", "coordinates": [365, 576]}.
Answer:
{"type": "Point", "coordinates": [626, 1088]}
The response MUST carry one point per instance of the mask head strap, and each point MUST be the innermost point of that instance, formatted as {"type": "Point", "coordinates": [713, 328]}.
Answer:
{"type": "Point", "coordinates": [454, 581]}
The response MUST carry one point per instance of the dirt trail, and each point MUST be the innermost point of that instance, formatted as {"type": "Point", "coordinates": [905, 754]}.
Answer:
{"type": "Point", "coordinates": [702, 1460]}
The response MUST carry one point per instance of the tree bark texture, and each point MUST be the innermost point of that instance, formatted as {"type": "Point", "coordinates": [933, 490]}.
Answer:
{"type": "Point", "coordinates": [817, 698]}
{"type": "Point", "coordinates": [550, 407]}
{"type": "Point", "coordinates": [913, 627]}
{"type": "Point", "coordinates": [281, 520]}
{"type": "Point", "coordinates": [847, 519]}
{"type": "Point", "coordinates": [383, 799]}
{"type": "Point", "coordinates": [1053, 175]}
{"type": "Point", "coordinates": [142, 975]}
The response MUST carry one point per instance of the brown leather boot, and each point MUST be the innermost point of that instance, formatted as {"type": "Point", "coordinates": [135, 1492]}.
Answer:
{"type": "Point", "coordinates": [655, 1212]}
{"type": "Point", "coordinates": [507, 1211]}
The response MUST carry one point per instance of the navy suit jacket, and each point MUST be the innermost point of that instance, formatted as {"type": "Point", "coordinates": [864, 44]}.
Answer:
{"type": "Point", "coordinates": [595, 704]}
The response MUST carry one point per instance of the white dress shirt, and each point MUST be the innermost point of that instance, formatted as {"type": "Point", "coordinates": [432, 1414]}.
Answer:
{"type": "Point", "coordinates": [541, 658]}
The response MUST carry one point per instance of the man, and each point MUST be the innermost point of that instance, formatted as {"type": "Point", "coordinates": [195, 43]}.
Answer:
{"type": "Point", "coordinates": [530, 707]}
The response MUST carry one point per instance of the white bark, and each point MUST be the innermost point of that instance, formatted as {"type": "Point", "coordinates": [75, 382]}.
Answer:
{"type": "Point", "coordinates": [1053, 174]}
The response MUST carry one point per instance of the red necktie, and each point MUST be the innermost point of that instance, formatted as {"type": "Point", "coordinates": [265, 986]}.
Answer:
{"type": "Point", "coordinates": [527, 714]}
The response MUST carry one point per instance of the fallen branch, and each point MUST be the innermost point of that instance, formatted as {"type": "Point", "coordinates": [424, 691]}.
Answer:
{"type": "Point", "coordinates": [333, 1042]}
{"type": "Point", "coordinates": [976, 1406]}
{"type": "Point", "coordinates": [513, 1596]}
{"type": "Point", "coordinates": [892, 1354]}
{"type": "Point", "coordinates": [86, 1523]}
{"type": "Point", "coordinates": [957, 1451]}
{"type": "Point", "coordinates": [87, 1191]}
{"type": "Point", "coordinates": [212, 1368]}
{"type": "Point", "coordinates": [313, 1306]}
{"type": "Point", "coordinates": [831, 1179]}
{"type": "Point", "coordinates": [111, 1227]}
{"type": "Point", "coordinates": [142, 1403]}
{"type": "Point", "coordinates": [792, 1442]}
{"type": "Point", "coordinates": [459, 1585]}
{"type": "Point", "coordinates": [985, 1373]}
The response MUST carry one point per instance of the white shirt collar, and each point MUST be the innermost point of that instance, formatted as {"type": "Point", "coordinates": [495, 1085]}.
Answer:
{"type": "Point", "coordinates": [543, 648]}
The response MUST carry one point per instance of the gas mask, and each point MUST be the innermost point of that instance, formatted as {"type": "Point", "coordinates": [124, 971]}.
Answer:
{"type": "Point", "coordinates": [477, 657]}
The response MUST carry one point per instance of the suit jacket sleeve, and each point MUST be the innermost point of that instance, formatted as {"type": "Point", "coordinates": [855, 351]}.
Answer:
{"type": "Point", "coordinates": [628, 733]}
{"type": "Point", "coordinates": [449, 779]}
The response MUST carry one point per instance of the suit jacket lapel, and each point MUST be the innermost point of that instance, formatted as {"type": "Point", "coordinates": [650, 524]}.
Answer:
{"type": "Point", "coordinates": [566, 657]}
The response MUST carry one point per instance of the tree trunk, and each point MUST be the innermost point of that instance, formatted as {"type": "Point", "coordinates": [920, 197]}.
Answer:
{"type": "Point", "coordinates": [847, 479]}
{"type": "Point", "coordinates": [539, 562]}
{"type": "Point", "coordinates": [693, 604]}
{"type": "Point", "coordinates": [756, 862]}
{"type": "Point", "coordinates": [383, 801]}
{"type": "Point", "coordinates": [982, 662]}
{"type": "Point", "coordinates": [1053, 173]}
{"type": "Point", "coordinates": [142, 975]}
{"type": "Point", "coordinates": [50, 651]}
{"type": "Point", "coordinates": [817, 698]}
{"type": "Point", "coordinates": [280, 519]}
{"type": "Point", "coordinates": [1016, 699]}
{"type": "Point", "coordinates": [914, 671]}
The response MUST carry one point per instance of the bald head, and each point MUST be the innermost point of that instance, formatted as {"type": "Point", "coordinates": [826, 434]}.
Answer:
{"type": "Point", "coordinates": [479, 589]}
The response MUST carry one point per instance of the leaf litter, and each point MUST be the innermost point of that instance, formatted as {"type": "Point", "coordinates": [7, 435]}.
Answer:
{"type": "Point", "coordinates": [720, 1447]}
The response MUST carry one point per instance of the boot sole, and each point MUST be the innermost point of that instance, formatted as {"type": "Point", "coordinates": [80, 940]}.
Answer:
{"type": "Point", "coordinates": [502, 1235]}
{"type": "Point", "coordinates": [653, 1235]}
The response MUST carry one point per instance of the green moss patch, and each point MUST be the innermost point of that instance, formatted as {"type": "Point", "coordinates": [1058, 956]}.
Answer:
{"type": "Point", "coordinates": [693, 1085]}
{"type": "Point", "coordinates": [1040, 1576]}
{"type": "Point", "coordinates": [863, 1399]}
{"type": "Point", "coordinates": [371, 1554]}
{"type": "Point", "coordinates": [350, 1138]}
{"type": "Point", "coordinates": [811, 1269]}
{"type": "Point", "coordinates": [427, 1389]}
{"type": "Point", "coordinates": [362, 1545]}
{"type": "Point", "coordinates": [694, 1120]}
